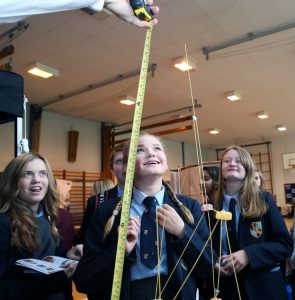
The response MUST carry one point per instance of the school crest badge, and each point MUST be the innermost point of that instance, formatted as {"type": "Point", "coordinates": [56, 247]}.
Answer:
{"type": "Point", "coordinates": [256, 229]}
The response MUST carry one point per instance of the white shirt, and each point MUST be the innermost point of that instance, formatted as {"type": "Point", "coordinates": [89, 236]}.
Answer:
{"type": "Point", "coordinates": [16, 10]}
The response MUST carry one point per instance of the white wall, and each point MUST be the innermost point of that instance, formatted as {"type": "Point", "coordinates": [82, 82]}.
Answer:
{"type": "Point", "coordinates": [279, 146]}
{"type": "Point", "coordinates": [174, 154]}
{"type": "Point", "coordinates": [6, 143]}
{"type": "Point", "coordinates": [54, 142]}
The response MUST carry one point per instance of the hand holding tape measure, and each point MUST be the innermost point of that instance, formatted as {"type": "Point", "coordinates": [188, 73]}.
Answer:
{"type": "Point", "coordinates": [140, 13]}
{"type": "Point", "coordinates": [142, 10]}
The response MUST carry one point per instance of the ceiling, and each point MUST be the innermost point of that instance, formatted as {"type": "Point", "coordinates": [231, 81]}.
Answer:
{"type": "Point", "coordinates": [90, 51]}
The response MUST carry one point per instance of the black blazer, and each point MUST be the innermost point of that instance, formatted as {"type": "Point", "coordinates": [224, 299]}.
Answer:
{"type": "Point", "coordinates": [14, 283]}
{"type": "Point", "coordinates": [90, 209]}
{"type": "Point", "coordinates": [94, 273]}
{"type": "Point", "coordinates": [265, 248]}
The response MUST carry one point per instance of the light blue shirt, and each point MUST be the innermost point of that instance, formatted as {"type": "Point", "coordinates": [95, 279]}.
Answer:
{"type": "Point", "coordinates": [138, 270]}
{"type": "Point", "coordinates": [226, 200]}
{"type": "Point", "coordinates": [119, 191]}
{"type": "Point", "coordinates": [40, 211]}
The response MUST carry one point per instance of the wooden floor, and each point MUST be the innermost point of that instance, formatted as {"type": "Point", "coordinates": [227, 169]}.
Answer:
{"type": "Point", "coordinates": [78, 296]}
{"type": "Point", "coordinates": [289, 222]}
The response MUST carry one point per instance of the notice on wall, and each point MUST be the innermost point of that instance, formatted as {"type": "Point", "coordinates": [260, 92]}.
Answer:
{"type": "Point", "coordinates": [290, 193]}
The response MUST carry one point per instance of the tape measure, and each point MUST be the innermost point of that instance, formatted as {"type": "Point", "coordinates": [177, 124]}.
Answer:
{"type": "Point", "coordinates": [120, 256]}
{"type": "Point", "coordinates": [142, 10]}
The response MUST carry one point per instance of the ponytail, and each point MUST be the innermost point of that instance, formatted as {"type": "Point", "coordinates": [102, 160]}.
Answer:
{"type": "Point", "coordinates": [186, 212]}
{"type": "Point", "coordinates": [109, 225]}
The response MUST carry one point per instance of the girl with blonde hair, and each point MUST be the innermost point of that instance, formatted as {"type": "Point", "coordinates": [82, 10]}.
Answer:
{"type": "Point", "coordinates": [101, 185]}
{"type": "Point", "coordinates": [177, 217]}
{"type": "Point", "coordinates": [258, 237]}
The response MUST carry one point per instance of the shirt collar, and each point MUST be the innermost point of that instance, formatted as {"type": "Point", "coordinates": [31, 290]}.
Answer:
{"type": "Point", "coordinates": [119, 191]}
{"type": "Point", "coordinates": [227, 197]}
{"type": "Point", "coordinates": [139, 196]}
{"type": "Point", "coordinates": [40, 211]}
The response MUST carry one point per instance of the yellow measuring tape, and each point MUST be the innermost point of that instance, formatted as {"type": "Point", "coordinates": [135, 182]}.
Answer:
{"type": "Point", "coordinates": [119, 263]}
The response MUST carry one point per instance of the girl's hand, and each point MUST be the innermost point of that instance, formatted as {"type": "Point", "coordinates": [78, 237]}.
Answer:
{"type": "Point", "coordinates": [239, 260]}
{"type": "Point", "coordinates": [123, 10]}
{"type": "Point", "coordinates": [76, 252]}
{"type": "Point", "coordinates": [219, 266]}
{"type": "Point", "coordinates": [132, 234]}
{"type": "Point", "coordinates": [171, 220]}
{"type": "Point", "coordinates": [69, 268]}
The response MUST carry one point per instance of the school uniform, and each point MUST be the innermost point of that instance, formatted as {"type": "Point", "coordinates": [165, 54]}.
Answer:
{"type": "Point", "coordinates": [92, 203]}
{"type": "Point", "coordinates": [15, 281]}
{"type": "Point", "coordinates": [94, 273]}
{"type": "Point", "coordinates": [266, 242]}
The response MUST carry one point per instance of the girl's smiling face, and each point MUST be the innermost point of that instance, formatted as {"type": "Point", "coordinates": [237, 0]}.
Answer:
{"type": "Point", "coordinates": [232, 167]}
{"type": "Point", "coordinates": [150, 159]}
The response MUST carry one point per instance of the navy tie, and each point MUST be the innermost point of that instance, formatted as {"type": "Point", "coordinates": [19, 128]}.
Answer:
{"type": "Point", "coordinates": [232, 225]}
{"type": "Point", "coordinates": [148, 234]}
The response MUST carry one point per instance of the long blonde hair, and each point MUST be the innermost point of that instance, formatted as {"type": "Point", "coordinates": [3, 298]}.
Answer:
{"type": "Point", "coordinates": [23, 226]}
{"type": "Point", "coordinates": [101, 185]}
{"type": "Point", "coordinates": [250, 202]}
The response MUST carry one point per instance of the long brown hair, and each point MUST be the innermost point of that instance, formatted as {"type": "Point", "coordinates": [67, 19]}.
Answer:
{"type": "Point", "coordinates": [213, 172]}
{"type": "Point", "coordinates": [250, 202]}
{"type": "Point", "coordinates": [23, 227]}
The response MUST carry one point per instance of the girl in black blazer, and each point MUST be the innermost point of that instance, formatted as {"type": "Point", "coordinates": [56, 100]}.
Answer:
{"type": "Point", "coordinates": [94, 273]}
{"type": "Point", "coordinates": [259, 240]}
{"type": "Point", "coordinates": [28, 217]}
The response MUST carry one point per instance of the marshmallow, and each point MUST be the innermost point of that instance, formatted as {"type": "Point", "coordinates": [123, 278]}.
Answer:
{"type": "Point", "coordinates": [223, 215]}
{"type": "Point", "coordinates": [206, 207]}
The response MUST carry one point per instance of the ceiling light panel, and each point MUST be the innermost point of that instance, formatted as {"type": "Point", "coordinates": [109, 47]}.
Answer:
{"type": "Point", "coordinates": [185, 64]}
{"type": "Point", "coordinates": [262, 115]}
{"type": "Point", "coordinates": [281, 128]}
{"type": "Point", "coordinates": [214, 131]}
{"type": "Point", "coordinates": [127, 100]}
{"type": "Point", "coordinates": [233, 96]}
{"type": "Point", "coordinates": [43, 70]}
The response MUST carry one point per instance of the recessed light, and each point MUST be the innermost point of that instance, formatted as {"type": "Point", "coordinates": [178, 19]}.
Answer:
{"type": "Point", "coordinates": [43, 70]}
{"type": "Point", "coordinates": [128, 100]}
{"type": "Point", "coordinates": [281, 127]}
{"type": "Point", "coordinates": [214, 131]}
{"type": "Point", "coordinates": [262, 115]}
{"type": "Point", "coordinates": [185, 64]}
{"type": "Point", "coordinates": [233, 95]}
